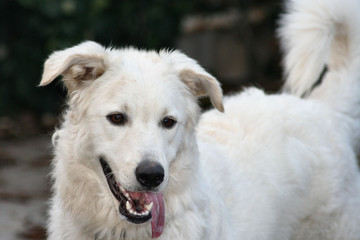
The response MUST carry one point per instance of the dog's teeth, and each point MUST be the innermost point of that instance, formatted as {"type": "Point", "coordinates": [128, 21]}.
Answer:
{"type": "Point", "coordinates": [122, 189]}
{"type": "Point", "coordinates": [128, 206]}
{"type": "Point", "coordinates": [148, 206]}
{"type": "Point", "coordinates": [146, 212]}
{"type": "Point", "coordinates": [127, 195]}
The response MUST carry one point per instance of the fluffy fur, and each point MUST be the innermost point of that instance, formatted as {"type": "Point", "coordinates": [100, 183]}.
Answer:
{"type": "Point", "coordinates": [270, 167]}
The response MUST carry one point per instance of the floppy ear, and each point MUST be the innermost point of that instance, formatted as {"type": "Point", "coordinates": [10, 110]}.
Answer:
{"type": "Point", "coordinates": [80, 63]}
{"type": "Point", "coordinates": [197, 79]}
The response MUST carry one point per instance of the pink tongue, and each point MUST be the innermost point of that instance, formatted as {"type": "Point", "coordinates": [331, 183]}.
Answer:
{"type": "Point", "coordinates": [157, 212]}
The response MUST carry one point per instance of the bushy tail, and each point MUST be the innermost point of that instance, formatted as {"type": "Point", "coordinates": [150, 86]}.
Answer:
{"type": "Point", "coordinates": [319, 33]}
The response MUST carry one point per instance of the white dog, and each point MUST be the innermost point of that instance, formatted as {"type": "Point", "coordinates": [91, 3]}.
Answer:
{"type": "Point", "coordinates": [134, 160]}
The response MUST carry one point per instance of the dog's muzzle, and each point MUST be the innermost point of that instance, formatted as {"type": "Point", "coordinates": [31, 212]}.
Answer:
{"type": "Point", "coordinates": [140, 207]}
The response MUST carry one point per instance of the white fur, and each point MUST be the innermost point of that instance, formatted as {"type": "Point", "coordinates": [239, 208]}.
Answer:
{"type": "Point", "coordinates": [270, 167]}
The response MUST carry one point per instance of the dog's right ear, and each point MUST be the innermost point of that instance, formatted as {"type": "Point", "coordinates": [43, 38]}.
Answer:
{"type": "Point", "coordinates": [77, 64]}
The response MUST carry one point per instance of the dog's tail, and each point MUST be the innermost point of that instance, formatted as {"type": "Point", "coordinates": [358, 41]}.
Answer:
{"type": "Point", "coordinates": [315, 34]}
{"type": "Point", "coordinates": [318, 35]}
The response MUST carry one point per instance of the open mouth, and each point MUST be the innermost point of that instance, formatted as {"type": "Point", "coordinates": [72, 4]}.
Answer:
{"type": "Point", "coordinates": [137, 207]}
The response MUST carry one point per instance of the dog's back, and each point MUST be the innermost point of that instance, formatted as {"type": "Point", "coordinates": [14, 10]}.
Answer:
{"type": "Point", "coordinates": [295, 154]}
{"type": "Point", "coordinates": [323, 33]}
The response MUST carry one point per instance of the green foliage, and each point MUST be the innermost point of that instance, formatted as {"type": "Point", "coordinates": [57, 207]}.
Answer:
{"type": "Point", "coordinates": [32, 29]}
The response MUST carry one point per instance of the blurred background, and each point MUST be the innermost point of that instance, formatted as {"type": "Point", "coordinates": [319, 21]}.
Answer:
{"type": "Point", "coordinates": [233, 39]}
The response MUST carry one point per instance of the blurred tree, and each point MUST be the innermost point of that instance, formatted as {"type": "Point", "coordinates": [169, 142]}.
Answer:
{"type": "Point", "coordinates": [32, 29]}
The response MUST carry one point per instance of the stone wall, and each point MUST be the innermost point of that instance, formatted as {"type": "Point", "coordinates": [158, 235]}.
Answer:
{"type": "Point", "coordinates": [237, 45]}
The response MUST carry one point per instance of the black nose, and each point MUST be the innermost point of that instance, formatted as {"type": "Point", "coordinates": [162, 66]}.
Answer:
{"type": "Point", "coordinates": [149, 174]}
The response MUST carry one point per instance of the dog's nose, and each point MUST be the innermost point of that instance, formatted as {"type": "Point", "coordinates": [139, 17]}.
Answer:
{"type": "Point", "coordinates": [149, 174]}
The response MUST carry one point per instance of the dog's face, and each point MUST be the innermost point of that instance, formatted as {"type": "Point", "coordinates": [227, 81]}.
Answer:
{"type": "Point", "coordinates": [135, 108]}
{"type": "Point", "coordinates": [137, 115]}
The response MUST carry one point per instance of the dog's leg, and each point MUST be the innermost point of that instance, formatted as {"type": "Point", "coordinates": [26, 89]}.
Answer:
{"type": "Point", "coordinates": [63, 226]}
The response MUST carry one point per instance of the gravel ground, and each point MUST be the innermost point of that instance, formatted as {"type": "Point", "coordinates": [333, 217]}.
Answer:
{"type": "Point", "coordinates": [24, 187]}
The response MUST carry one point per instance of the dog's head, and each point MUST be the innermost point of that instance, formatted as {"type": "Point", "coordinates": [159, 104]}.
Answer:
{"type": "Point", "coordinates": [132, 115]}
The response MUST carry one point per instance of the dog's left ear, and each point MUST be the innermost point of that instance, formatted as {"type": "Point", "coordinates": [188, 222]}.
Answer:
{"type": "Point", "coordinates": [197, 79]}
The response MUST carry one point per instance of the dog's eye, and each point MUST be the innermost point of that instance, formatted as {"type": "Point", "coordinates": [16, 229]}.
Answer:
{"type": "Point", "coordinates": [117, 118]}
{"type": "Point", "coordinates": [168, 122]}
